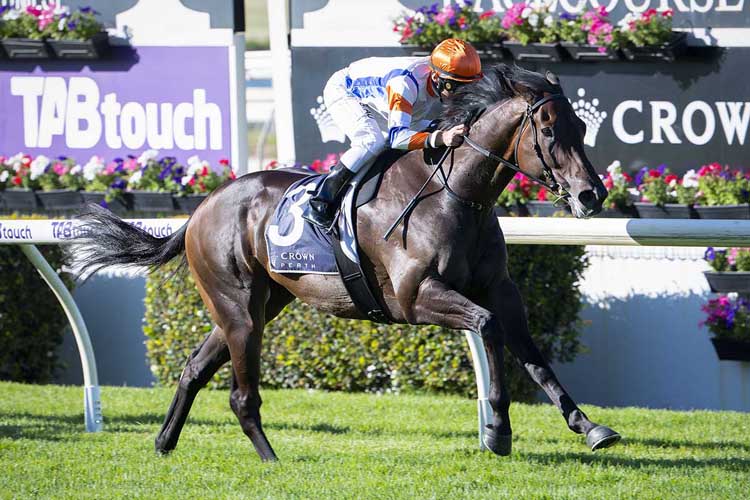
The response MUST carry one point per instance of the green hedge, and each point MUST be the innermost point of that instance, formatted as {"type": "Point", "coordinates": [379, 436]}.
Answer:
{"type": "Point", "coordinates": [303, 348]}
{"type": "Point", "coordinates": [32, 323]}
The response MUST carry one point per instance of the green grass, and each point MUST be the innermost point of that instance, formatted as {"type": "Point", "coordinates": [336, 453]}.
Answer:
{"type": "Point", "coordinates": [357, 446]}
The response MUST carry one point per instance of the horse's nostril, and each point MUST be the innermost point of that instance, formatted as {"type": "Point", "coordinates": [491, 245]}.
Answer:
{"type": "Point", "coordinates": [587, 198]}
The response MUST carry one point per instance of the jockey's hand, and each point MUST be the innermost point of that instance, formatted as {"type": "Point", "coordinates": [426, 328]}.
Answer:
{"type": "Point", "coordinates": [454, 136]}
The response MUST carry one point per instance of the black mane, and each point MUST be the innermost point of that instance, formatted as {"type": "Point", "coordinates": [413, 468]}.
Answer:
{"type": "Point", "coordinates": [500, 82]}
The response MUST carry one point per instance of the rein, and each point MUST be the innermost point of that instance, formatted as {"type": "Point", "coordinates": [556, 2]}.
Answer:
{"type": "Point", "coordinates": [528, 120]}
{"type": "Point", "coordinates": [549, 182]}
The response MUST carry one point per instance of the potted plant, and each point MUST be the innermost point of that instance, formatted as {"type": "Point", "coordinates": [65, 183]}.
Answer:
{"type": "Point", "coordinates": [730, 270]}
{"type": "Point", "coordinates": [147, 187]}
{"type": "Point", "coordinates": [722, 193]}
{"type": "Point", "coordinates": [533, 32]}
{"type": "Point", "coordinates": [428, 26]}
{"type": "Point", "coordinates": [199, 180]}
{"type": "Point", "coordinates": [78, 35]}
{"type": "Point", "coordinates": [105, 183]}
{"type": "Point", "coordinates": [664, 195]}
{"type": "Point", "coordinates": [729, 322]}
{"type": "Point", "coordinates": [513, 199]}
{"type": "Point", "coordinates": [60, 183]}
{"type": "Point", "coordinates": [588, 37]}
{"type": "Point", "coordinates": [649, 36]}
{"type": "Point", "coordinates": [19, 191]}
{"type": "Point", "coordinates": [621, 193]}
{"type": "Point", "coordinates": [23, 31]}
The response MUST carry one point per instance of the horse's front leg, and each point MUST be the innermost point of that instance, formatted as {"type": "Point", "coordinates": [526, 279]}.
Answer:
{"type": "Point", "coordinates": [508, 306]}
{"type": "Point", "coordinates": [439, 305]}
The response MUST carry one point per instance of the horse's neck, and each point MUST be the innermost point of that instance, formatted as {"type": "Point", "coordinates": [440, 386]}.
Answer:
{"type": "Point", "coordinates": [476, 177]}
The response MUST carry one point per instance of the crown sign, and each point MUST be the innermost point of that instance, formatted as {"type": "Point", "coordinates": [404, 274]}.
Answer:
{"type": "Point", "coordinates": [591, 116]}
{"type": "Point", "coordinates": [328, 129]}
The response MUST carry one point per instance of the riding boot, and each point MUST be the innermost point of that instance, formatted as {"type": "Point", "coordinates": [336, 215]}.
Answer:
{"type": "Point", "coordinates": [322, 207]}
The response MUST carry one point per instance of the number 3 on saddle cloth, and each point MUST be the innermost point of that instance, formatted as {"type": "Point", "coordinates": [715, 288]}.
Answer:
{"type": "Point", "coordinates": [296, 246]}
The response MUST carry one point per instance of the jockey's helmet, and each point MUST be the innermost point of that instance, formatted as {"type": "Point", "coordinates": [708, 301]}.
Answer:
{"type": "Point", "coordinates": [455, 62]}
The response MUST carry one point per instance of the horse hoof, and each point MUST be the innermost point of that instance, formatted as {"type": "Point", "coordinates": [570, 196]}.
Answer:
{"type": "Point", "coordinates": [162, 448]}
{"type": "Point", "coordinates": [600, 437]}
{"type": "Point", "coordinates": [499, 444]}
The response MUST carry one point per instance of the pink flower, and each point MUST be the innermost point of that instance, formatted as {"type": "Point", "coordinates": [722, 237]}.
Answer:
{"type": "Point", "coordinates": [445, 15]}
{"type": "Point", "coordinates": [602, 11]}
{"type": "Point", "coordinates": [667, 13]}
{"type": "Point", "coordinates": [59, 168]}
{"type": "Point", "coordinates": [486, 14]}
{"type": "Point", "coordinates": [34, 11]}
{"type": "Point", "coordinates": [131, 164]}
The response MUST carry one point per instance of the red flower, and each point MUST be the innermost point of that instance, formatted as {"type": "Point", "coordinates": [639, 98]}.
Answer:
{"type": "Point", "coordinates": [317, 165]}
{"type": "Point", "coordinates": [486, 14]}
{"type": "Point", "coordinates": [204, 172]}
{"type": "Point", "coordinates": [191, 182]}
{"type": "Point", "coordinates": [671, 177]}
{"type": "Point", "coordinates": [627, 177]}
{"type": "Point", "coordinates": [608, 183]}
{"type": "Point", "coordinates": [654, 173]}
{"type": "Point", "coordinates": [271, 165]}
{"type": "Point", "coordinates": [17, 180]}
{"type": "Point", "coordinates": [541, 195]}
{"type": "Point", "coordinates": [26, 161]}
{"type": "Point", "coordinates": [667, 13]}
{"type": "Point", "coordinates": [232, 175]}
{"type": "Point", "coordinates": [649, 14]}
{"type": "Point", "coordinates": [224, 162]}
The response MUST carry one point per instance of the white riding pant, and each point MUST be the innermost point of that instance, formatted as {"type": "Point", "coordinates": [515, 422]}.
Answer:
{"type": "Point", "coordinates": [364, 131]}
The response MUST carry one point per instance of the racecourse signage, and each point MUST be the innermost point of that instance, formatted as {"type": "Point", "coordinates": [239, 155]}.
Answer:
{"type": "Point", "coordinates": [154, 104]}
{"type": "Point", "coordinates": [60, 231]}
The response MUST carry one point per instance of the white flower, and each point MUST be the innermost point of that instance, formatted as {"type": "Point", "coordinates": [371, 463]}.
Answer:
{"type": "Point", "coordinates": [634, 192]}
{"type": "Point", "coordinates": [61, 9]}
{"type": "Point", "coordinates": [4, 175]}
{"type": "Point", "coordinates": [186, 179]}
{"type": "Point", "coordinates": [548, 21]}
{"type": "Point", "coordinates": [149, 154]}
{"type": "Point", "coordinates": [38, 166]}
{"type": "Point", "coordinates": [76, 170]}
{"type": "Point", "coordinates": [11, 15]}
{"type": "Point", "coordinates": [525, 13]}
{"type": "Point", "coordinates": [193, 159]}
{"type": "Point", "coordinates": [135, 178]}
{"type": "Point", "coordinates": [690, 179]}
{"type": "Point", "coordinates": [61, 24]}
{"type": "Point", "coordinates": [534, 20]}
{"type": "Point", "coordinates": [614, 166]}
{"type": "Point", "coordinates": [419, 17]}
{"type": "Point", "coordinates": [93, 167]}
{"type": "Point", "coordinates": [673, 183]}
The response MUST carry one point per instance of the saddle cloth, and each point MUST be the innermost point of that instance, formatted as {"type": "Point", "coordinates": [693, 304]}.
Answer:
{"type": "Point", "coordinates": [295, 245]}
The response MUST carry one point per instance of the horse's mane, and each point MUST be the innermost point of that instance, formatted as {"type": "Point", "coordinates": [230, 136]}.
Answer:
{"type": "Point", "coordinates": [500, 82]}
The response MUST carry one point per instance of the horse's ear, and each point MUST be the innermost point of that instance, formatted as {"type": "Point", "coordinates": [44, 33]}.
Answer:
{"type": "Point", "coordinates": [552, 78]}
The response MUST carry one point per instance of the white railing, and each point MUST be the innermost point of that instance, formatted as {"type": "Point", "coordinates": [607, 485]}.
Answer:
{"type": "Point", "coordinates": [517, 230]}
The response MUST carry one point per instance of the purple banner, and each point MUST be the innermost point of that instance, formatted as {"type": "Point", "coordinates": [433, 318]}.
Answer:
{"type": "Point", "coordinates": [172, 99]}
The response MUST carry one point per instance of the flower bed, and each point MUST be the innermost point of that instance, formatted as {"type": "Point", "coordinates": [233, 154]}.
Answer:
{"type": "Point", "coordinates": [40, 33]}
{"type": "Point", "coordinates": [531, 31]}
{"type": "Point", "coordinates": [146, 183]}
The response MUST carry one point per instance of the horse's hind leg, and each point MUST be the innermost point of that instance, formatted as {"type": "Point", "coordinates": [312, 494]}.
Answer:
{"type": "Point", "coordinates": [201, 366]}
{"type": "Point", "coordinates": [510, 310]}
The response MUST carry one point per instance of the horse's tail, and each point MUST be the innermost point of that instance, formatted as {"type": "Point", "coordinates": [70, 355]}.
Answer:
{"type": "Point", "coordinates": [107, 240]}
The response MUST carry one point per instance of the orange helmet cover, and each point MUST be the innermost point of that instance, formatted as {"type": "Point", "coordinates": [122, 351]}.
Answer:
{"type": "Point", "coordinates": [456, 60]}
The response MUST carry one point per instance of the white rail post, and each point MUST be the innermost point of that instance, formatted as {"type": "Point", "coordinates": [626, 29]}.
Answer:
{"type": "Point", "coordinates": [92, 406]}
{"type": "Point", "coordinates": [482, 374]}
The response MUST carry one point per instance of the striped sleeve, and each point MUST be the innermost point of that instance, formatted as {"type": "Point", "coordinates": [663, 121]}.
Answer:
{"type": "Point", "coordinates": [402, 94]}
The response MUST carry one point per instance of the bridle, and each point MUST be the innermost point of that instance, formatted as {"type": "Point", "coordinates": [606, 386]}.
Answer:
{"type": "Point", "coordinates": [549, 182]}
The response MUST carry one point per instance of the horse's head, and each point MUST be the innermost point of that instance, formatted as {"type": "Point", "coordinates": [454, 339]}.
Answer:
{"type": "Point", "coordinates": [524, 121]}
{"type": "Point", "coordinates": [549, 146]}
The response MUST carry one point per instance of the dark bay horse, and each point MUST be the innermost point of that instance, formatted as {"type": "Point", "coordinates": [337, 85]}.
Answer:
{"type": "Point", "coordinates": [449, 268]}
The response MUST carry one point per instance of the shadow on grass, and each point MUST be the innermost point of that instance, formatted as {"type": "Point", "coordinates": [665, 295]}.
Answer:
{"type": "Point", "coordinates": [555, 458]}
{"type": "Point", "coordinates": [663, 443]}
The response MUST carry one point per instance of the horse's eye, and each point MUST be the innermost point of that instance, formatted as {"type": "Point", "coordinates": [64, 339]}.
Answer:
{"type": "Point", "coordinates": [547, 131]}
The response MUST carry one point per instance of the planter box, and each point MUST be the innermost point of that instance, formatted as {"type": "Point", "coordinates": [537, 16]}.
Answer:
{"type": "Point", "coordinates": [590, 53]}
{"type": "Point", "coordinates": [729, 281]}
{"type": "Point", "coordinates": [514, 211]}
{"type": "Point", "coordinates": [189, 203]}
{"type": "Point", "coordinates": [658, 53]}
{"type": "Point", "coordinates": [724, 211]}
{"type": "Point", "coordinates": [618, 213]}
{"type": "Point", "coordinates": [60, 200]}
{"type": "Point", "coordinates": [19, 200]}
{"type": "Point", "coordinates": [668, 211]}
{"type": "Point", "coordinates": [150, 201]}
{"type": "Point", "coordinates": [540, 52]}
{"type": "Point", "coordinates": [25, 48]}
{"type": "Point", "coordinates": [731, 349]}
{"type": "Point", "coordinates": [95, 48]}
{"type": "Point", "coordinates": [546, 209]}
{"type": "Point", "coordinates": [118, 205]}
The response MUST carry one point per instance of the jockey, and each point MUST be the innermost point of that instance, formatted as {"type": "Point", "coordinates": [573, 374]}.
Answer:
{"type": "Point", "coordinates": [382, 103]}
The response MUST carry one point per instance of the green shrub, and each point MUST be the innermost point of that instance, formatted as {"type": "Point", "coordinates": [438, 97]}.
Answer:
{"type": "Point", "coordinates": [32, 323]}
{"type": "Point", "coordinates": [303, 348]}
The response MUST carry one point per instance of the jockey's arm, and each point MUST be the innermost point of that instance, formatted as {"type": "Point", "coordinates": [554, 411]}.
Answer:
{"type": "Point", "coordinates": [402, 94]}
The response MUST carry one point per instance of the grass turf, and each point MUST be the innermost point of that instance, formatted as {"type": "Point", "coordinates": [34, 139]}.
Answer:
{"type": "Point", "coordinates": [334, 445]}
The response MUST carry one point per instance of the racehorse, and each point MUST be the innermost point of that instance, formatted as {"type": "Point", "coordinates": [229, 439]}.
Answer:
{"type": "Point", "coordinates": [449, 268]}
